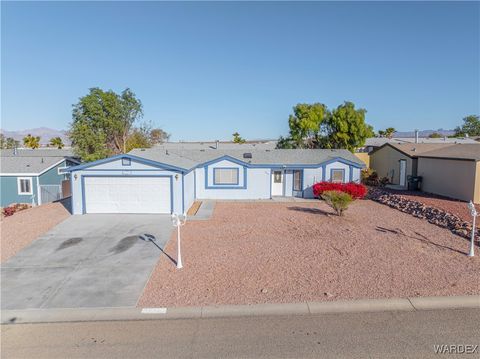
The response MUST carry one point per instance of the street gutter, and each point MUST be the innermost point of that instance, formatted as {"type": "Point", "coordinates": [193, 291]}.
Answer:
{"type": "Point", "coordinates": [24, 316]}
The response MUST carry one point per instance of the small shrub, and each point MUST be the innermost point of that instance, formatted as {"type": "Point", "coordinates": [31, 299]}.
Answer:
{"type": "Point", "coordinates": [9, 211]}
{"type": "Point", "coordinates": [339, 201]}
{"type": "Point", "coordinates": [355, 190]}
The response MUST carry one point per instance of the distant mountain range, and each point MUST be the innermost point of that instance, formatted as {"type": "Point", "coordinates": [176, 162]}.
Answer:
{"type": "Point", "coordinates": [45, 134]}
{"type": "Point", "coordinates": [424, 133]}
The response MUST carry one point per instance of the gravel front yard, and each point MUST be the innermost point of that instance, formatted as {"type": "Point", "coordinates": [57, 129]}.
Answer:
{"type": "Point", "coordinates": [19, 230]}
{"type": "Point", "coordinates": [292, 252]}
{"type": "Point", "coordinates": [456, 207]}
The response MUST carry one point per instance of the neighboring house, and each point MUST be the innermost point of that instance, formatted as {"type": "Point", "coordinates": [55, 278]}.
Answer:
{"type": "Point", "coordinates": [398, 161]}
{"type": "Point", "coordinates": [34, 176]}
{"type": "Point", "coordinates": [374, 143]}
{"type": "Point", "coordinates": [450, 170]}
{"type": "Point", "coordinates": [159, 180]}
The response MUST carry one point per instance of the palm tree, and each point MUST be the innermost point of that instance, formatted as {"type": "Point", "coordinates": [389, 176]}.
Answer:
{"type": "Point", "coordinates": [389, 132]}
{"type": "Point", "coordinates": [31, 141]}
{"type": "Point", "coordinates": [56, 142]}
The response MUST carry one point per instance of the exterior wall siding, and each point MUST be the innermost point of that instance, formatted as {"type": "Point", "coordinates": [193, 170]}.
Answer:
{"type": "Point", "coordinates": [51, 177]}
{"type": "Point", "coordinates": [189, 190]}
{"type": "Point", "coordinates": [9, 191]}
{"type": "Point", "coordinates": [385, 162]}
{"type": "Point", "coordinates": [257, 186]}
{"type": "Point", "coordinates": [364, 157]}
{"type": "Point", "coordinates": [310, 177]}
{"type": "Point", "coordinates": [450, 178]}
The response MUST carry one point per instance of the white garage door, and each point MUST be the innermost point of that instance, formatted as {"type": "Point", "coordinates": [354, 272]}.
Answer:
{"type": "Point", "coordinates": [127, 195]}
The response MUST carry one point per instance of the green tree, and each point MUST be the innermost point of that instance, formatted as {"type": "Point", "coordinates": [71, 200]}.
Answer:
{"type": "Point", "coordinates": [237, 138]}
{"type": "Point", "coordinates": [304, 125]}
{"type": "Point", "coordinates": [435, 135]}
{"type": "Point", "coordinates": [31, 141]}
{"type": "Point", "coordinates": [103, 122]}
{"type": "Point", "coordinates": [470, 127]}
{"type": "Point", "coordinates": [157, 135]}
{"type": "Point", "coordinates": [345, 128]}
{"type": "Point", "coordinates": [7, 142]}
{"type": "Point", "coordinates": [138, 139]}
{"type": "Point", "coordinates": [57, 142]}
{"type": "Point", "coordinates": [389, 131]}
{"type": "Point", "coordinates": [313, 126]}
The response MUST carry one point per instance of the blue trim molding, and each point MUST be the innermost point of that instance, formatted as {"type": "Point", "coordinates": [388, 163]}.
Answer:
{"type": "Point", "coordinates": [338, 169]}
{"type": "Point", "coordinates": [132, 158]}
{"type": "Point", "coordinates": [226, 168]}
{"type": "Point", "coordinates": [227, 186]}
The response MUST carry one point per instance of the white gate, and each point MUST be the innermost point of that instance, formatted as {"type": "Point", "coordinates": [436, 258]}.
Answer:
{"type": "Point", "coordinates": [50, 193]}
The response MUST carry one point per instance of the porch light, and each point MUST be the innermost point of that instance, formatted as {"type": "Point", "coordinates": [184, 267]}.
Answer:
{"type": "Point", "coordinates": [179, 220]}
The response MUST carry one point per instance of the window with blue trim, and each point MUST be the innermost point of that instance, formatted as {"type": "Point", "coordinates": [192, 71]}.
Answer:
{"type": "Point", "coordinates": [126, 161]}
{"type": "Point", "coordinates": [337, 176]}
{"type": "Point", "coordinates": [225, 176]}
{"type": "Point", "coordinates": [297, 180]}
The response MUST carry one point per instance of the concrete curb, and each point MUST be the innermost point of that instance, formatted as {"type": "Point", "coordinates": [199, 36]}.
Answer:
{"type": "Point", "coordinates": [24, 316]}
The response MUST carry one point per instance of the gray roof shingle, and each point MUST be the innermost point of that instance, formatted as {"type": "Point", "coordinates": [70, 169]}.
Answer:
{"type": "Point", "coordinates": [187, 158]}
{"type": "Point", "coordinates": [30, 161]}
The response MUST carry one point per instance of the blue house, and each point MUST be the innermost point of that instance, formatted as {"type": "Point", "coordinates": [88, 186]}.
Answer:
{"type": "Point", "coordinates": [169, 180]}
{"type": "Point", "coordinates": [34, 176]}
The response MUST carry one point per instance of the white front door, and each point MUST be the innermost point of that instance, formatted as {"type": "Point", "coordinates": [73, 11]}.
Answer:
{"type": "Point", "coordinates": [403, 172]}
{"type": "Point", "coordinates": [277, 183]}
{"type": "Point", "coordinates": [127, 195]}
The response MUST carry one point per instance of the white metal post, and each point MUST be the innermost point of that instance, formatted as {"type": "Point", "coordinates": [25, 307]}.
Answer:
{"type": "Point", "coordinates": [179, 254]}
{"type": "Point", "coordinates": [179, 220]}
{"type": "Point", "coordinates": [474, 214]}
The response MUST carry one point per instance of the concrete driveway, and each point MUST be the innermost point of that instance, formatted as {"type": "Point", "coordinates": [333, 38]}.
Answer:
{"type": "Point", "coordinates": [86, 261]}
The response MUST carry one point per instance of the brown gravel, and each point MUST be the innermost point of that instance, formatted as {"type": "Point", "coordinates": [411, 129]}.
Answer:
{"type": "Point", "coordinates": [293, 252]}
{"type": "Point", "coordinates": [456, 207]}
{"type": "Point", "coordinates": [19, 230]}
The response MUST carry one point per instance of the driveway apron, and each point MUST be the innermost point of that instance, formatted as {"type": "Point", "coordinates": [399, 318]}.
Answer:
{"type": "Point", "coordinates": [99, 260]}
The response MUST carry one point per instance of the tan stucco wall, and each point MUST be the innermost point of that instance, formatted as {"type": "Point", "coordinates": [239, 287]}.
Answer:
{"type": "Point", "coordinates": [450, 178]}
{"type": "Point", "coordinates": [476, 194]}
{"type": "Point", "coordinates": [364, 157]}
{"type": "Point", "coordinates": [386, 159]}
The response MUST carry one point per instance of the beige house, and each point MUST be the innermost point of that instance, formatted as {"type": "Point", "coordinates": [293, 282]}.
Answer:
{"type": "Point", "coordinates": [453, 172]}
{"type": "Point", "coordinates": [396, 161]}
{"type": "Point", "coordinates": [450, 170]}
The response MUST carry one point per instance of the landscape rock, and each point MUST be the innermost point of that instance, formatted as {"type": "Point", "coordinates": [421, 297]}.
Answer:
{"type": "Point", "coordinates": [433, 215]}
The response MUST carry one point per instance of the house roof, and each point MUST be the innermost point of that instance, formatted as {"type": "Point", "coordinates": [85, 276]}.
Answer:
{"type": "Point", "coordinates": [188, 159]}
{"type": "Point", "coordinates": [380, 141]}
{"type": "Point", "coordinates": [31, 161]}
{"type": "Point", "coordinates": [39, 152]}
{"type": "Point", "coordinates": [470, 151]}
{"type": "Point", "coordinates": [459, 152]}
{"type": "Point", "coordinates": [414, 149]}
{"type": "Point", "coordinates": [222, 145]}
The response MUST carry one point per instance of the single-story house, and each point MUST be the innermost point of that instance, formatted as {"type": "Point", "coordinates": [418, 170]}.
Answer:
{"type": "Point", "coordinates": [397, 161]}
{"type": "Point", "coordinates": [159, 180]}
{"type": "Point", "coordinates": [450, 170]}
{"type": "Point", "coordinates": [34, 176]}
{"type": "Point", "coordinates": [453, 171]}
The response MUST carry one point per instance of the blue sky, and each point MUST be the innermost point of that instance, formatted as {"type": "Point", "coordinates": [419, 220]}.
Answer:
{"type": "Point", "coordinates": [207, 69]}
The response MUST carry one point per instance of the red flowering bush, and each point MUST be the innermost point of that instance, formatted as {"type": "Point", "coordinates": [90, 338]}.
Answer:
{"type": "Point", "coordinates": [356, 190]}
{"type": "Point", "coordinates": [9, 211]}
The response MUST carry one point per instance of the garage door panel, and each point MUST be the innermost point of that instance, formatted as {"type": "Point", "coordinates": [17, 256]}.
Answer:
{"type": "Point", "coordinates": [127, 194]}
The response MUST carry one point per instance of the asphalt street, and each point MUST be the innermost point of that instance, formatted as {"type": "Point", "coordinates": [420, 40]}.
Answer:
{"type": "Point", "coordinates": [349, 335]}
